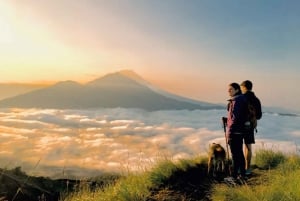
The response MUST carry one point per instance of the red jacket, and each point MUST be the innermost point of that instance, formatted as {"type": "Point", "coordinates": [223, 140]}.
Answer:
{"type": "Point", "coordinates": [237, 115]}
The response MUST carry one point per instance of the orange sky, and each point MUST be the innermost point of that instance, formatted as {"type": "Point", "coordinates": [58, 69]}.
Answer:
{"type": "Point", "coordinates": [193, 49]}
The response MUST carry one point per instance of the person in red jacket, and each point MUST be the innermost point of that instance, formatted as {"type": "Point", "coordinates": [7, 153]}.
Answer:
{"type": "Point", "coordinates": [236, 117]}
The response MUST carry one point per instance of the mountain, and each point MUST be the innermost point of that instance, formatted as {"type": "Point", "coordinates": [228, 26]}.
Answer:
{"type": "Point", "coordinates": [12, 89]}
{"type": "Point", "coordinates": [121, 89]}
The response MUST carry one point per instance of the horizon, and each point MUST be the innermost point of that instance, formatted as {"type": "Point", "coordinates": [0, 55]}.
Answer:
{"type": "Point", "coordinates": [40, 85]}
{"type": "Point", "coordinates": [192, 49]}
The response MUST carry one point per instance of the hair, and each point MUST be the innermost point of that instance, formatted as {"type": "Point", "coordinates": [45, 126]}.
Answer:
{"type": "Point", "coordinates": [248, 84]}
{"type": "Point", "coordinates": [236, 86]}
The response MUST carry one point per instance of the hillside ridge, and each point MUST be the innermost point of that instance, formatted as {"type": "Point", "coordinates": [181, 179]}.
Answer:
{"type": "Point", "coordinates": [123, 89]}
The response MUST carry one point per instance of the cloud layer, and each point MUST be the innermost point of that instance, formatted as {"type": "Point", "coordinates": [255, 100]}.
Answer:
{"type": "Point", "coordinates": [121, 139]}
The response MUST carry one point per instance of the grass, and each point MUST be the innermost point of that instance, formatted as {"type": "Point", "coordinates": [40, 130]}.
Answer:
{"type": "Point", "coordinates": [275, 177]}
{"type": "Point", "coordinates": [16, 185]}
{"type": "Point", "coordinates": [164, 182]}
{"type": "Point", "coordinates": [129, 188]}
{"type": "Point", "coordinates": [133, 187]}
{"type": "Point", "coordinates": [280, 182]}
{"type": "Point", "coordinates": [266, 158]}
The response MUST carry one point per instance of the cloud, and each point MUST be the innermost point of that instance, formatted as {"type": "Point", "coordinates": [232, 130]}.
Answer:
{"type": "Point", "coordinates": [296, 133]}
{"type": "Point", "coordinates": [120, 139]}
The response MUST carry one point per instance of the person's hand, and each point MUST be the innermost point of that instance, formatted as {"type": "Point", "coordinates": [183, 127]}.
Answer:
{"type": "Point", "coordinates": [224, 120]}
{"type": "Point", "coordinates": [228, 140]}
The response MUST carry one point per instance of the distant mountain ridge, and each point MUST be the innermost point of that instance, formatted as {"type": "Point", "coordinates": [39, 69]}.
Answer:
{"type": "Point", "coordinates": [123, 89]}
{"type": "Point", "coordinates": [8, 90]}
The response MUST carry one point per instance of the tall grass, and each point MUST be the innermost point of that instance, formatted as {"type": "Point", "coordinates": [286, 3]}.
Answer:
{"type": "Point", "coordinates": [134, 187]}
{"type": "Point", "coordinates": [278, 178]}
{"type": "Point", "coordinates": [129, 188]}
{"type": "Point", "coordinates": [266, 158]}
{"type": "Point", "coordinates": [281, 183]}
{"type": "Point", "coordinates": [162, 172]}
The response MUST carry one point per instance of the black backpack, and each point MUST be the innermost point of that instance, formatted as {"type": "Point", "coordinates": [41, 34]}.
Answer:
{"type": "Point", "coordinates": [254, 109]}
{"type": "Point", "coordinates": [257, 106]}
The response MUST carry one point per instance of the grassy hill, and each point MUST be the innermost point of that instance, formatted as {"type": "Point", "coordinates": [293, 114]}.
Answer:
{"type": "Point", "coordinates": [275, 177]}
{"type": "Point", "coordinates": [16, 185]}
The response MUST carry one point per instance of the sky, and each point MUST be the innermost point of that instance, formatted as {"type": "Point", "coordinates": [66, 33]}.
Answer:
{"type": "Point", "coordinates": [192, 48]}
{"type": "Point", "coordinates": [64, 143]}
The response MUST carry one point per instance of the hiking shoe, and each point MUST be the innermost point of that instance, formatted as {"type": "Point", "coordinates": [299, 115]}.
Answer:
{"type": "Point", "coordinates": [230, 181]}
{"type": "Point", "coordinates": [241, 179]}
{"type": "Point", "coordinates": [248, 172]}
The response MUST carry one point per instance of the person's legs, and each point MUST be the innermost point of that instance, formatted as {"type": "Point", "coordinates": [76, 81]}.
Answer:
{"type": "Point", "coordinates": [241, 157]}
{"type": "Point", "coordinates": [238, 159]}
{"type": "Point", "coordinates": [248, 155]}
{"type": "Point", "coordinates": [234, 155]}
{"type": "Point", "coordinates": [248, 140]}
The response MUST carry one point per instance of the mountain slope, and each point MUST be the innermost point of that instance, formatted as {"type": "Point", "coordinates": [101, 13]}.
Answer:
{"type": "Point", "coordinates": [56, 96]}
{"type": "Point", "coordinates": [119, 89]}
{"type": "Point", "coordinates": [12, 89]}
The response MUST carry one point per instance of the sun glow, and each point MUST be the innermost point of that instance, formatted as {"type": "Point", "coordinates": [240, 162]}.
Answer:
{"type": "Point", "coordinates": [6, 33]}
{"type": "Point", "coordinates": [29, 49]}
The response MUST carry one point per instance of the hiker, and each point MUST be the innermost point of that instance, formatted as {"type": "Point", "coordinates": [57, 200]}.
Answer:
{"type": "Point", "coordinates": [236, 118]}
{"type": "Point", "coordinates": [246, 87]}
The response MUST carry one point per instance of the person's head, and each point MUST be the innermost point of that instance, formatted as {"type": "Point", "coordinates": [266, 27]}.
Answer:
{"type": "Point", "coordinates": [246, 86]}
{"type": "Point", "coordinates": [234, 89]}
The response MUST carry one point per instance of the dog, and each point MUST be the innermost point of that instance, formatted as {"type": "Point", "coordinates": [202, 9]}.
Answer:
{"type": "Point", "coordinates": [216, 159]}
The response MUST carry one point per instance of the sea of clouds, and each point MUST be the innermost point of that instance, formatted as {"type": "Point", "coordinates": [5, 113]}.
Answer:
{"type": "Point", "coordinates": [63, 143]}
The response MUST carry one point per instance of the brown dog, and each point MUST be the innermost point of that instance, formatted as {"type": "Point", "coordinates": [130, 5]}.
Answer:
{"type": "Point", "coordinates": [216, 158]}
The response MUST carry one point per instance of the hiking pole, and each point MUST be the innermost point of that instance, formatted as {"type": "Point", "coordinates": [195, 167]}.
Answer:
{"type": "Point", "coordinates": [224, 121]}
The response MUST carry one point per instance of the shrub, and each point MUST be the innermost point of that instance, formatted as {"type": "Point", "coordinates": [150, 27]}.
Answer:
{"type": "Point", "coordinates": [266, 159]}
{"type": "Point", "coordinates": [162, 172]}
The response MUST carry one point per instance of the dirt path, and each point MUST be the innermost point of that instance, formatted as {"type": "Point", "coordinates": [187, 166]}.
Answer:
{"type": "Point", "coordinates": [194, 184]}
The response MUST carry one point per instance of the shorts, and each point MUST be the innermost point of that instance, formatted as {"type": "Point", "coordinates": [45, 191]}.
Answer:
{"type": "Point", "coordinates": [249, 138]}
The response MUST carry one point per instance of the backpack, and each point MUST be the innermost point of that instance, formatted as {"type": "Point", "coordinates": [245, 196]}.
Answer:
{"type": "Point", "coordinates": [252, 115]}
{"type": "Point", "coordinates": [254, 111]}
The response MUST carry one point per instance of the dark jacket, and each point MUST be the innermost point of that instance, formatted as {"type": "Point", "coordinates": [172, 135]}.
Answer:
{"type": "Point", "coordinates": [237, 115]}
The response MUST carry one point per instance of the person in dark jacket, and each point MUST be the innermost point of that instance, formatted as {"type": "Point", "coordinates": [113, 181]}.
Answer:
{"type": "Point", "coordinates": [236, 118]}
{"type": "Point", "coordinates": [246, 88]}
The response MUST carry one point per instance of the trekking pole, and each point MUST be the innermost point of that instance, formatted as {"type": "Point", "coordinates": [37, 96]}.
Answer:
{"type": "Point", "coordinates": [224, 121]}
